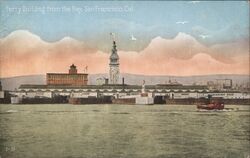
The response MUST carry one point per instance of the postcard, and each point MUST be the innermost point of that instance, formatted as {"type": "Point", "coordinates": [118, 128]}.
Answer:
{"type": "Point", "coordinates": [124, 79]}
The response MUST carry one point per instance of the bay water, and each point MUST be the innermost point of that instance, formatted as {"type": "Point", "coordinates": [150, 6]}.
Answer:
{"type": "Point", "coordinates": [123, 131]}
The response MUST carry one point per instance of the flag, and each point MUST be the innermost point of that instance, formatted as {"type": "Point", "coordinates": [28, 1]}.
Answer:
{"type": "Point", "coordinates": [112, 36]}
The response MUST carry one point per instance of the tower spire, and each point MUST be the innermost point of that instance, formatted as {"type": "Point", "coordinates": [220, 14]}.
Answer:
{"type": "Point", "coordinates": [114, 72]}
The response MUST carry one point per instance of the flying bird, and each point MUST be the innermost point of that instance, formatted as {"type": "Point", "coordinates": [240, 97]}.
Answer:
{"type": "Point", "coordinates": [181, 22]}
{"type": "Point", "coordinates": [133, 38]}
{"type": "Point", "coordinates": [194, 2]}
{"type": "Point", "coordinates": [204, 36]}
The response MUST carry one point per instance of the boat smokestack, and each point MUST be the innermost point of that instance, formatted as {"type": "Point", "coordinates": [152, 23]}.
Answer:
{"type": "Point", "coordinates": [123, 81]}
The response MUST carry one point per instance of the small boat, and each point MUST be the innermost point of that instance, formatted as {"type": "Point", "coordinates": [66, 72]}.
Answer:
{"type": "Point", "coordinates": [212, 104]}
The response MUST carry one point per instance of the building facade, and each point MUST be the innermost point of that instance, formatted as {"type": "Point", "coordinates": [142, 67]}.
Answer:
{"type": "Point", "coordinates": [114, 71]}
{"type": "Point", "coordinates": [72, 78]}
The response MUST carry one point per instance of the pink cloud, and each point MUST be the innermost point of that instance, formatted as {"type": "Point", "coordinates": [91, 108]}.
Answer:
{"type": "Point", "coordinates": [23, 53]}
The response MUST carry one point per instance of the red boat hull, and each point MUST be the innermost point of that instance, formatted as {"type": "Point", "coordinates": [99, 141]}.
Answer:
{"type": "Point", "coordinates": [212, 106]}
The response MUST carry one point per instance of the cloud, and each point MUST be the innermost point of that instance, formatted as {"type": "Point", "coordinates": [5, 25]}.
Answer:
{"type": "Point", "coordinates": [23, 53]}
{"type": "Point", "coordinates": [183, 46]}
{"type": "Point", "coordinates": [199, 64]}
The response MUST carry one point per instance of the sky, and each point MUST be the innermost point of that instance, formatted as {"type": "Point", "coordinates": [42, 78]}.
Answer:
{"type": "Point", "coordinates": [160, 33]}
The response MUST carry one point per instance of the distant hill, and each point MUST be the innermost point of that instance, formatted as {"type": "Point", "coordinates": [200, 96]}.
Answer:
{"type": "Point", "coordinates": [12, 83]}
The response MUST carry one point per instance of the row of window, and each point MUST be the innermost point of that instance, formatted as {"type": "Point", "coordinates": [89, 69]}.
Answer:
{"type": "Point", "coordinates": [66, 77]}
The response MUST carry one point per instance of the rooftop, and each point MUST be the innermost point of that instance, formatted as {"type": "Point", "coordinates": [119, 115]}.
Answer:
{"type": "Point", "coordinates": [108, 86]}
{"type": "Point", "coordinates": [66, 74]}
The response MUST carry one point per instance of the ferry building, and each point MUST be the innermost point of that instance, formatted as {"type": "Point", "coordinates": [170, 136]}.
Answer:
{"type": "Point", "coordinates": [70, 79]}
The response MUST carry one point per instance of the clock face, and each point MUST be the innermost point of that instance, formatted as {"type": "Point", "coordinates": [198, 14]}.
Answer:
{"type": "Point", "coordinates": [114, 71]}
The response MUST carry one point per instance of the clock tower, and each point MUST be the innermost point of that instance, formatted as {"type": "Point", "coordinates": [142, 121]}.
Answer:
{"type": "Point", "coordinates": [114, 72]}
